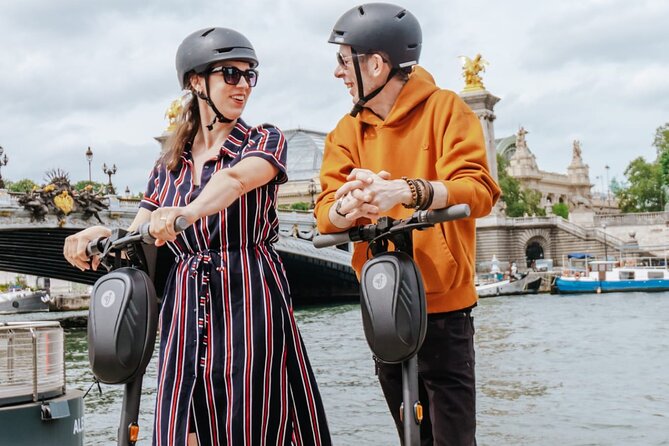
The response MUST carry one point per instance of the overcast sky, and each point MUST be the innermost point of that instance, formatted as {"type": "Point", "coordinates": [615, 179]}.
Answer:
{"type": "Point", "coordinates": [79, 73]}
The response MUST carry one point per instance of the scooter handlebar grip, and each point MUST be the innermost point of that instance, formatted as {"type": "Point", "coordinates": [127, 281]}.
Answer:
{"type": "Point", "coordinates": [450, 213]}
{"type": "Point", "coordinates": [325, 240]}
{"type": "Point", "coordinates": [93, 247]}
{"type": "Point", "coordinates": [180, 224]}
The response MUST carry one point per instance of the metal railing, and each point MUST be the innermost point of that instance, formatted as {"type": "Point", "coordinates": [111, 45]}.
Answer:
{"type": "Point", "coordinates": [32, 361]}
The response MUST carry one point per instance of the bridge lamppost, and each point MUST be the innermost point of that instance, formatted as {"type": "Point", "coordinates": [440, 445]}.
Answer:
{"type": "Point", "coordinates": [89, 158]}
{"type": "Point", "coordinates": [109, 172]}
{"type": "Point", "coordinates": [608, 186]}
{"type": "Point", "coordinates": [3, 162]}
{"type": "Point", "coordinates": [312, 191]}
{"type": "Point", "coordinates": [606, 250]}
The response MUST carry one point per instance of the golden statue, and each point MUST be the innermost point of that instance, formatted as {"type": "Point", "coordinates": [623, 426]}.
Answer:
{"type": "Point", "coordinates": [64, 202]}
{"type": "Point", "coordinates": [172, 114]}
{"type": "Point", "coordinates": [470, 71]}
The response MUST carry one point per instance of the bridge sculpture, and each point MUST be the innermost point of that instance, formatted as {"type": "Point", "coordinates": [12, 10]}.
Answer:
{"type": "Point", "coordinates": [35, 247]}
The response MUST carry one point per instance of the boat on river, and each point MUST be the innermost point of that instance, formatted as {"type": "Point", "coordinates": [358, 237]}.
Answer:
{"type": "Point", "coordinates": [606, 276]}
{"type": "Point", "coordinates": [518, 284]}
{"type": "Point", "coordinates": [24, 301]}
{"type": "Point", "coordinates": [36, 408]}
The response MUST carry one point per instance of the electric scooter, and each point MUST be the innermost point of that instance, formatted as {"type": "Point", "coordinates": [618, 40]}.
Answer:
{"type": "Point", "coordinates": [392, 298]}
{"type": "Point", "coordinates": [123, 317]}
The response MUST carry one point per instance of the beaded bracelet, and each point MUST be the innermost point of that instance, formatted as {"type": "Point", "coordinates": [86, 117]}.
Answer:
{"type": "Point", "coordinates": [428, 194]}
{"type": "Point", "coordinates": [414, 194]}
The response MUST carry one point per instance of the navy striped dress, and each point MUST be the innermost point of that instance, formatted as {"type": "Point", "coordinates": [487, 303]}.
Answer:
{"type": "Point", "coordinates": [232, 364]}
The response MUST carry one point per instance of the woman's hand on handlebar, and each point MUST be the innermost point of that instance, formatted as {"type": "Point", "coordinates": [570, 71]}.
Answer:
{"type": "Point", "coordinates": [75, 245]}
{"type": "Point", "coordinates": [162, 222]}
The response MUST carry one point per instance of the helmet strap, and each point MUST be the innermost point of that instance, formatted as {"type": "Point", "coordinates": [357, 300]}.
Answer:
{"type": "Point", "coordinates": [362, 100]}
{"type": "Point", "coordinates": [205, 97]}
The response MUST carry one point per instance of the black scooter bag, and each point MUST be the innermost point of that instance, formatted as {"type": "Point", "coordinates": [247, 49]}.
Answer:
{"type": "Point", "coordinates": [122, 322]}
{"type": "Point", "coordinates": [394, 311]}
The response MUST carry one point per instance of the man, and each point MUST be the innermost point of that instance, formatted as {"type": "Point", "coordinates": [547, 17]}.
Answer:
{"type": "Point", "coordinates": [407, 145]}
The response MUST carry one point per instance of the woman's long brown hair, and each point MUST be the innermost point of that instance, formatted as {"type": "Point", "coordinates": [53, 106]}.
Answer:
{"type": "Point", "coordinates": [187, 126]}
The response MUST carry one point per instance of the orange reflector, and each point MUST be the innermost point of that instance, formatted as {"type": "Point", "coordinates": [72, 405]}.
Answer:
{"type": "Point", "coordinates": [418, 412]}
{"type": "Point", "coordinates": [133, 433]}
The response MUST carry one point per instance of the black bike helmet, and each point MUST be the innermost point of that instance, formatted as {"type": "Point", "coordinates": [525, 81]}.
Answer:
{"type": "Point", "coordinates": [374, 27]}
{"type": "Point", "coordinates": [379, 27]}
{"type": "Point", "coordinates": [206, 46]}
{"type": "Point", "coordinates": [202, 48]}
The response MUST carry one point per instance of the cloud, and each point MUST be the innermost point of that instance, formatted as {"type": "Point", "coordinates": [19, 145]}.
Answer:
{"type": "Point", "coordinates": [77, 73]}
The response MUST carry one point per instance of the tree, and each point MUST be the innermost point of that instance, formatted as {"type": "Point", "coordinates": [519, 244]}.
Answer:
{"type": "Point", "coordinates": [661, 141]}
{"type": "Point", "coordinates": [96, 186]}
{"type": "Point", "coordinates": [24, 185]}
{"type": "Point", "coordinates": [643, 192]}
{"type": "Point", "coordinates": [561, 210]}
{"type": "Point", "coordinates": [518, 201]}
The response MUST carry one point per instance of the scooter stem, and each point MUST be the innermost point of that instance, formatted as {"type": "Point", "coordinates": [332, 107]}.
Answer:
{"type": "Point", "coordinates": [130, 411]}
{"type": "Point", "coordinates": [412, 411]}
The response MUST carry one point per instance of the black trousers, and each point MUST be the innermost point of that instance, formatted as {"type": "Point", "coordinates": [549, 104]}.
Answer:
{"type": "Point", "coordinates": [447, 382]}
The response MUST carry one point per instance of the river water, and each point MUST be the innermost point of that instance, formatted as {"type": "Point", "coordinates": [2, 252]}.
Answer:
{"type": "Point", "coordinates": [551, 370]}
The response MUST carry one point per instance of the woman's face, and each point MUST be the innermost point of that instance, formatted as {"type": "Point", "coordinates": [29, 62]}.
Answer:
{"type": "Point", "coordinates": [229, 99]}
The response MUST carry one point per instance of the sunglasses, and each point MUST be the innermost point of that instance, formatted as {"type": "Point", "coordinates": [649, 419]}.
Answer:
{"type": "Point", "coordinates": [342, 60]}
{"type": "Point", "coordinates": [232, 75]}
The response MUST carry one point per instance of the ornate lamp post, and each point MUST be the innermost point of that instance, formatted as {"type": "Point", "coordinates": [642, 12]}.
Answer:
{"type": "Point", "coordinates": [89, 158]}
{"type": "Point", "coordinates": [3, 162]}
{"type": "Point", "coordinates": [109, 172]}
{"type": "Point", "coordinates": [312, 192]}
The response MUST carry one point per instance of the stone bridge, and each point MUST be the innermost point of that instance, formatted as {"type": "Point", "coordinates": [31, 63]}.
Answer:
{"type": "Point", "coordinates": [35, 248]}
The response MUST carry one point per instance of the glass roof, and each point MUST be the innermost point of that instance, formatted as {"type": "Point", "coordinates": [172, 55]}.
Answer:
{"type": "Point", "coordinates": [305, 153]}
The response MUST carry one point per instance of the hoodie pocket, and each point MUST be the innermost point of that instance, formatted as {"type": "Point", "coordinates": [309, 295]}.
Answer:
{"type": "Point", "coordinates": [435, 260]}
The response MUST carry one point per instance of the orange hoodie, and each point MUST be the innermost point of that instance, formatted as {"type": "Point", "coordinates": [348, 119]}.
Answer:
{"type": "Point", "coordinates": [432, 134]}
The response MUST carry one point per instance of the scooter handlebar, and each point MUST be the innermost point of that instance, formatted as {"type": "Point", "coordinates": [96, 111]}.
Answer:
{"type": "Point", "coordinates": [451, 213]}
{"type": "Point", "coordinates": [97, 246]}
{"type": "Point", "coordinates": [431, 217]}
{"type": "Point", "coordinates": [325, 240]}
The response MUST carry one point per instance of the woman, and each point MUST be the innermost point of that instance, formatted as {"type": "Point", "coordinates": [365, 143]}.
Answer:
{"type": "Point", "coordinates": [232, 367]}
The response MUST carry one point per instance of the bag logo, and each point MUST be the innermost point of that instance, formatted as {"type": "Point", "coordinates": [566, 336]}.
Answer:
{"type": "Point", "coordinates": [379, 281]}
{"type": "Point", "coordinates": [108, 298]}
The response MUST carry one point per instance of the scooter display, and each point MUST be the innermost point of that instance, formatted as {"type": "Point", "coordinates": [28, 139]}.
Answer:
{"type": "Point", "coordinates": [392, 298]}
{"type": "Point", "coordinates": [123, 317]}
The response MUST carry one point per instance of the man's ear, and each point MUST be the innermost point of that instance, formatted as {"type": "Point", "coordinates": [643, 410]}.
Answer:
{"type": "Point", "coordinates": [378, 64]}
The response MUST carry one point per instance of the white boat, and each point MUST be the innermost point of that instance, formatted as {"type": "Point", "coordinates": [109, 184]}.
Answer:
{"type": "Point", "coordinates": [23, 301]}
{"type": "Point", "coordinates": [522, 285]}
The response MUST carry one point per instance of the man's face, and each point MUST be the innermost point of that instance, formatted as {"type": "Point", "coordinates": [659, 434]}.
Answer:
{"type": "Point", "coordinates": [346, 71]}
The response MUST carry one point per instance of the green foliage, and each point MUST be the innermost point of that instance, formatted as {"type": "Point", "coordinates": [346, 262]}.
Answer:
{"type": "Point", "coordinates": [663, 161]}
{"type": "Point", "coordinates": [96, 186]}
{"type": "Point", "coordinates": [646, 188]}
{"type": "Point", "coordinates": [561, 210]}
{"type": "Point", "coordinates": [661, 141]}
{"type": "Point", "coordinates": [300, 206]}
{"type": "Point", "coordinates": [518, 201]}
{"type": "Point", "coordinates": [24, 185]}
{"type": "Point", "coordinates": [643, 192]}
